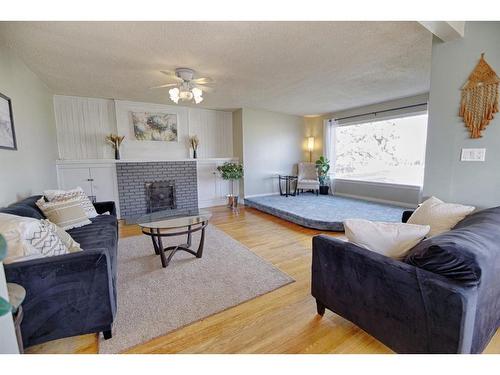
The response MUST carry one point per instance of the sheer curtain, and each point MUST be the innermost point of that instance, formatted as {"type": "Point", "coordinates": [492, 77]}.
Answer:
{"type": "Point", "coordinates": [329, 148]}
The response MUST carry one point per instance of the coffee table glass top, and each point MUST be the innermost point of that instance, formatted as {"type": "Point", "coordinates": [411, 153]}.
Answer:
{"type": "Point", "coordinates": [173, 219]}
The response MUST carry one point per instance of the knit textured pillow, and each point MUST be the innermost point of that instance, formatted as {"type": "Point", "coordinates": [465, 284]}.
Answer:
{"type": "Point", "coordinates": [65, 214]}
{"type": "Point", "coordinates": [77, 193]}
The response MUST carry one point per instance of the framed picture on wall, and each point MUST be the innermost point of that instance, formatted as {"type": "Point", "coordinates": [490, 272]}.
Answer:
{"type": "Point", "coordinates": [7, 133]}
{"type": "Point", "coordinates": [154, 126]}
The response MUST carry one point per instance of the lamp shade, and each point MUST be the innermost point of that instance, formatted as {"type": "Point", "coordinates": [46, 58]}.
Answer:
{"type": "Point", "coordinates": [310, 143]}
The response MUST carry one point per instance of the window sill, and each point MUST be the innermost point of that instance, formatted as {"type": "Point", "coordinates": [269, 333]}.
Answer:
{"type": "Point", "coordinates": [378, 183]}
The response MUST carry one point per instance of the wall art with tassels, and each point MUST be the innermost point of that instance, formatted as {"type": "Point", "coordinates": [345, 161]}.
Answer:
{"type": "Point", "coordinates": [479, 98]}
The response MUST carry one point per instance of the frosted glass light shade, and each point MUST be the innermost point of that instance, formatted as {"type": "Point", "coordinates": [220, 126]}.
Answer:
{"type": "Point", "coordinates": [174, 94]}
{"type": "Point", "coordinates": [310, 143]}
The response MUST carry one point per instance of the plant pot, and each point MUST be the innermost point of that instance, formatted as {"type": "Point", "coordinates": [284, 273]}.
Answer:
{"type": "Point", "coordinates": [323, 190]}
{"type": "Point", "coordinates": [232, 201]}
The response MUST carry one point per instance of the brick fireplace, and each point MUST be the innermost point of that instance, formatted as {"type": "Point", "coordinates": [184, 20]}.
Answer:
{"type": "Point", "coordinates": [134, 177]}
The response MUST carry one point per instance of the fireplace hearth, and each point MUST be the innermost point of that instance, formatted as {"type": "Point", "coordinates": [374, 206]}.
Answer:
{"type": "Point", "coordinates": [160, 195]}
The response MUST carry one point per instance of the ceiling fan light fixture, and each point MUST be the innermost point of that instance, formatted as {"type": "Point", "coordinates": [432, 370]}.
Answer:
{"type": "Point", "coordinates": [197, 94]}
{"type": "Point", "coordinates": [186, 89]}
{"type": "Point", "coordinates": [174, 95]}
{"type": "Point", "coordinates": [186, 95]}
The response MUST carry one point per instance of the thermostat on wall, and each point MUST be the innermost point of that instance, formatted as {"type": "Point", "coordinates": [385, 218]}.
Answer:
{"type": "Point", "coordinates": [473, 154]}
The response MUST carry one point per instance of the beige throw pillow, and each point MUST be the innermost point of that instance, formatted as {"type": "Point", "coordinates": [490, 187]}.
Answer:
{"type": "Point", "coordinates": [390, 239]}
{"type": "Point", "coordinates": [66, 214]}
{"type": "Point", "coordinates": [439, 215]}
{"type": "Point", "coordinates": [77, 193]}
{"type": "Point", "coordinates": [10, 228]}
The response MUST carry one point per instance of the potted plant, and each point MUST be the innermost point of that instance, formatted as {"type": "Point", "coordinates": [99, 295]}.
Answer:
{"type": "Point", "coordinates": [231, 172]}
{"type": "Point", "coordinates": [323, 167]}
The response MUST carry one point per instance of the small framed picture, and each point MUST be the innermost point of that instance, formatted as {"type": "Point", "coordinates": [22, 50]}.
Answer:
{"type": "Point", "coordinates": [7, 133]}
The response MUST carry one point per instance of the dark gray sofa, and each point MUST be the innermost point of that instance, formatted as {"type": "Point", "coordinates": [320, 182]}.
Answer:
{"type": "Point", "coordinates": [71, 294]}
{"type": "Point", "coordinates": [444, 297]}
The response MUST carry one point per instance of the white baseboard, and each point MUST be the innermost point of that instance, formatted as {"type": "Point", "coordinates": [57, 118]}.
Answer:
{"type": "Point", "coordinates": [402, 204]}
{"type": "Point", "coordinates": [212, 203]}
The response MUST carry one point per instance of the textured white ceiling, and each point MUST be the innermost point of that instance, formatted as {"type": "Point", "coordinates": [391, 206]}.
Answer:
{"type": "Point", "coordinates": [301, 68]}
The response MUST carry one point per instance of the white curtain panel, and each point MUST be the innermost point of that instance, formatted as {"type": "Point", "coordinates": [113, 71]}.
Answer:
{"type": "Point", "coordinates": [329, 151]}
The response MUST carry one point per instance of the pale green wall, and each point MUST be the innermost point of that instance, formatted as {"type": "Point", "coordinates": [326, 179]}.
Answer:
{"type": "Point", "coordinates": [272, 143]}
{"type": "Point", "coordinates": [31, 168]}
{"type": "Point", "coordinates": [476, 183]}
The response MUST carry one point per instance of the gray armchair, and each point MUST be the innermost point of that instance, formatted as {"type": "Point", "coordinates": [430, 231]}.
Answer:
{"type": "Point", "coordinates": [307, 178]}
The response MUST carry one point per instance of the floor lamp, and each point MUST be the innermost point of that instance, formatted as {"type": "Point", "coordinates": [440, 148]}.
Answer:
{"type": "Point", "coordinates": [310, 147]}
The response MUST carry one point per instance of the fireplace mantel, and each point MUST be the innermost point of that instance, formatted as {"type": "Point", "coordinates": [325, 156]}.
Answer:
{"type": "Point", "coordinates": [113, 161]}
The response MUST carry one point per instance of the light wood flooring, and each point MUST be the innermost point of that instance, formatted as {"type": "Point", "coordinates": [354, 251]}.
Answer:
{"type": "Point", "coordinates": [283, 321]}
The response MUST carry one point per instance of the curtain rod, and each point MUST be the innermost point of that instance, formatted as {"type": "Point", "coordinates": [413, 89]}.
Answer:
{"type": "Point", "coordinates": [385, 110]}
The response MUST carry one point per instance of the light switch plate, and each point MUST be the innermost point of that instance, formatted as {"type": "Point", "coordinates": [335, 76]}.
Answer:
{"type": "Point", "coordinates": [473, 154]}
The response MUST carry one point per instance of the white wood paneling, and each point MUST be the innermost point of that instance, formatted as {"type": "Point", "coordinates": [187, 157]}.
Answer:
{"type": "Point", "coordinates": [215, 131]}
{"type": "Point", "coordinates": [151, 150]}
{"type": "Point", "coordinates": [82, 125]}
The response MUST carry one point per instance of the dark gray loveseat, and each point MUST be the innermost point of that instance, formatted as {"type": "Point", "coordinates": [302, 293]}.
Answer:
{"type": "Point", "coordinates": [71, 294]}
{"type": "Point", "coordinates": [444, 297]}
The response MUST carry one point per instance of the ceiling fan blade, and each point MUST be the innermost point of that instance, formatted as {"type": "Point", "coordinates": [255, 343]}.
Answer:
{"type": "Point", "coordinates": [202, 80]}
{"type": "Point", "coordinates": [172, 75]}
{"type": "Point", "coordinates": [166, 85]}
{"type": "Point", "coordinates": [205, 88]}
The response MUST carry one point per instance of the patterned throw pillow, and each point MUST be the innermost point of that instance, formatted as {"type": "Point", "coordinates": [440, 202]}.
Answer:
{"type": "Point", "coordinates": [29, 238]}
{"type": "Point", "coordinates": [65, 237]}
{"type": "Point", "coordinates": [78, 193]}
{"type": "Point", "coordinates": [66, 214]}
{"type": "Point", "coordinates": [43, 240]}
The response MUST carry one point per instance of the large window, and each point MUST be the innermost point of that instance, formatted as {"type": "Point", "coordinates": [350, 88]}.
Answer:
{"type": "Point", "coordinates": [389, 151]}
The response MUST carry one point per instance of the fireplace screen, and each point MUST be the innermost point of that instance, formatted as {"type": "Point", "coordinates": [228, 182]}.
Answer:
{"type": "Point", "coordinates": [160, 195]}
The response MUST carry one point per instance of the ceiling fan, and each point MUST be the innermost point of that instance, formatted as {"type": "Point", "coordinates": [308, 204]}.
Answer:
{"type": "Point", "coordinates": [185, 87]}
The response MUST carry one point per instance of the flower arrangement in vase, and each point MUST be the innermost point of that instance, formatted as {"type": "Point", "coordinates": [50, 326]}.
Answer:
{"type": "Point", "coordinates": [115, 141]}
{"type": "Point", "coordinates": [194, 142]}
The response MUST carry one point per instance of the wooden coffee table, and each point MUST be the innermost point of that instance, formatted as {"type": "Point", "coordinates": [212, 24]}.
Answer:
{"type": "Point", "coordinates": [168, 224]}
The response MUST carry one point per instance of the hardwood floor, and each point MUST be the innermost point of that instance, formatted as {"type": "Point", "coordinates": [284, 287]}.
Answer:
{"type": "Point", "coordinates": [283, 321]}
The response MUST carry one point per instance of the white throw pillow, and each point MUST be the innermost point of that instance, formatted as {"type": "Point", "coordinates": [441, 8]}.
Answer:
{"type": "Point", "coordinates": [77, 193]}
{"type": "Point", "coordinates": [65, 237]}
{"type": "Point", "coordinates": [439, 215]}
{"type": "Point", "coordinates": [390, 239]}
{"type": "Point", "coordinates": [29, 238]}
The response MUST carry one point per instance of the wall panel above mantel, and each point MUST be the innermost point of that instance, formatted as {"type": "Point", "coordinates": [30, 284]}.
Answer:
{"type": "Point", "coordinates": [83, 123]}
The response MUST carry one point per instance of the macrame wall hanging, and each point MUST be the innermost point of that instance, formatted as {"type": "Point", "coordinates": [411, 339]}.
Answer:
{"type": "Point", "coordinates": [479, 98]}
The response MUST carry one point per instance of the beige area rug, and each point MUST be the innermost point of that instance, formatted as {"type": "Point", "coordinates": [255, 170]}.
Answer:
{"type": "Point", "coordinates": [153, 301]}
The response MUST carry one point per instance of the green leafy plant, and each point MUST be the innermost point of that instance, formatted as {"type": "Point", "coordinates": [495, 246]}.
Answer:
{"type": "Point", "coordinates": [5, 306]}
{"type": "Point", "coordinates": [323, 167]}
{"type": "Point", "coordinates": [231, 171]}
